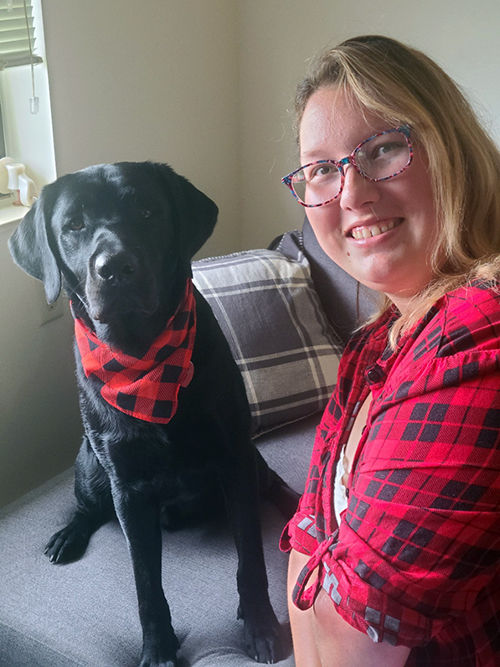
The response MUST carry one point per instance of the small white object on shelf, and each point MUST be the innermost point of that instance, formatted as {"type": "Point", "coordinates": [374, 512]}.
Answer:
{"type": "Point", "coordinates": [4, 175]}
{"type": "Point", "coordinates": [14, 179]}
{"type": "Point", "coordinates": [27, 190]}
{"type": "Point", "coordinates": [15, 171]}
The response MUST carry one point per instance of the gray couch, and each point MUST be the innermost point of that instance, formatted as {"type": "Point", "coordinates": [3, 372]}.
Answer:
{"type": "Point", "coordinates": [286, 332]}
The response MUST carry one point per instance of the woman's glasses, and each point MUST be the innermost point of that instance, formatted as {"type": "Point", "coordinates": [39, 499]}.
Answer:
{"type": "Point", "coordinates": [377, 158]}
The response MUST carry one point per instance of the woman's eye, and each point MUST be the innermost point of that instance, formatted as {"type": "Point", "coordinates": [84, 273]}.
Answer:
{"type": "Point", "coordinates": [387, 150]}
{"type": "Point", "coordinates": [383, 150]}
{"type": "Point", "coordinates": [322, 170]}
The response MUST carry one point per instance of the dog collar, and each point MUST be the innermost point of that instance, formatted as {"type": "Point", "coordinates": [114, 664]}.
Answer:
{"type": "Point", "coordinates": [146, 388]}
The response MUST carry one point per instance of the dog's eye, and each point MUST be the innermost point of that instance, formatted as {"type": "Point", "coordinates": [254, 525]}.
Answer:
{"type": "Point", "coordinates": [75, 225]}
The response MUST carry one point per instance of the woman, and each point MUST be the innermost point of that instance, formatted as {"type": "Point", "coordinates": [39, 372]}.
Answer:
{"type": "Point", "coordinates": [395, 548]}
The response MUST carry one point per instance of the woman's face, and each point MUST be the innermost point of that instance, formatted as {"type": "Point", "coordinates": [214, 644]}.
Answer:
{"type": "Point", "coordinates": [382, 233]}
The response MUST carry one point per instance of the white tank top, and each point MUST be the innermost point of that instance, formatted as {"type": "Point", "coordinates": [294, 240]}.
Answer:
{"type": "Point", "coordinates": [339, 490]}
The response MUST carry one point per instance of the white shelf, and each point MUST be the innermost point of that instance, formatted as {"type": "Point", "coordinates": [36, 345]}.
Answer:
{"type": "Point", "coordinates": [10, 213]}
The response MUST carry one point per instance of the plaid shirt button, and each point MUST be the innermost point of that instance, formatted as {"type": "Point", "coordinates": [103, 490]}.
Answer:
{"type": "Point", "coordinates": [374, 375]}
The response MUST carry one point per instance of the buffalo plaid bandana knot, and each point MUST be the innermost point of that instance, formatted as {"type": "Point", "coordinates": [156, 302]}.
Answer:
{"type": "Point", "coordinates": [145, 388]}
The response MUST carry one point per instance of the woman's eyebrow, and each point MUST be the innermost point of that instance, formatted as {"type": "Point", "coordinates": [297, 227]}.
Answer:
{"type": "Point", "coordinates": [314, 155]}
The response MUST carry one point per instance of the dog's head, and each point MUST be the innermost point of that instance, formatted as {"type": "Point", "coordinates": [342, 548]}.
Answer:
{"type": "Point", "coordinates": [115, 235]}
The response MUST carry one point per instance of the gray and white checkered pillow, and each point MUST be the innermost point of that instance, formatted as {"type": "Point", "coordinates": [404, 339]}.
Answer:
{"type": "Point", "coordinates": [271, 316]}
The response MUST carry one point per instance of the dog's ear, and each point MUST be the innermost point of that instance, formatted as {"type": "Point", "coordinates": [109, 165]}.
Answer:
{"type": "Point", "coordinates": [197, 212]}
{"type": "Point", "coordinates": [30, 248]}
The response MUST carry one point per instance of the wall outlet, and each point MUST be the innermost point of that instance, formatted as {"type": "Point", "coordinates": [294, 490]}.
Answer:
{"type": "Point", "coordinates": [49, 312]}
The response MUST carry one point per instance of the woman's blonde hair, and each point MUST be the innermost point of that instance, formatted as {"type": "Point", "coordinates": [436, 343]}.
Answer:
{"type": "Point", "coordinates": [404, 86]}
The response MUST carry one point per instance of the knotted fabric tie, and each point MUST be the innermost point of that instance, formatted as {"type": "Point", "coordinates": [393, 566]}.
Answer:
{"type": "Point", "coordinates": [146, 388]}
{"type": "Point", "coordinates": [303, 597]}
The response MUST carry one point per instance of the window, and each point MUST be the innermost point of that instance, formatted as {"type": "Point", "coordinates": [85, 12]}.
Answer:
{"type": "Point", "coordinates": [17, 34]}
{"type": "Point", "coordinates": [28, 136]}
{"type": "Point", "coordinates": [17, 45]}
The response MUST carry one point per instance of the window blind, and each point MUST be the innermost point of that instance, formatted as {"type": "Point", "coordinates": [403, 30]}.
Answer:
{"type": "Point", "coordinates": [16, 23]}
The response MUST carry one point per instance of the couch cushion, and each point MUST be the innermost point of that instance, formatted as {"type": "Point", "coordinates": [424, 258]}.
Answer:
{"type": "Point", "coordinates": [270, 313]}
{"type": "Point", "coordinates": [85, 614]}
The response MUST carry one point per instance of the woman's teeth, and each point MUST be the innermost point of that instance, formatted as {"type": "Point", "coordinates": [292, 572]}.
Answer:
{"type": "Point", "coordinates": [374, 230]}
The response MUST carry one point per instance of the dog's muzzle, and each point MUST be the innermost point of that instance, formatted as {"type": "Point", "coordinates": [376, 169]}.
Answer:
{"type": "Point", "coordinates": [117, 269]}
{"type": "Point", "coordinates": [119, 282]}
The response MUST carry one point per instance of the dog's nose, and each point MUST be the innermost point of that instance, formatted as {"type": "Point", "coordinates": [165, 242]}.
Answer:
{"type": "Point", "coordinates": [120, 267]}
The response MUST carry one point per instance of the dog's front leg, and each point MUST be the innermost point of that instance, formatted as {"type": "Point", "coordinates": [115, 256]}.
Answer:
{"type": "Point", "coordinates": [265, 640]}
{"type": "Point", "coordinates": [139, 517]}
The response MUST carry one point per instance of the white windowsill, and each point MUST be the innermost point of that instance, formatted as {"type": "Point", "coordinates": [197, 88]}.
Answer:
{"type": "Point", "coordinates": [10, 213]}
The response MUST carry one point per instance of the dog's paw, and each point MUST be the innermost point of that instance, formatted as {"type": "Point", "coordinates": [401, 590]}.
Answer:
{"type": "Point", "coordinates": [164, 657]}
{"type": "Point", "coordinates": [267, 641]}
{"type": "Point", "coordinates": [67, 545]}
{"type": "Point", "coordinates": [146, 662]}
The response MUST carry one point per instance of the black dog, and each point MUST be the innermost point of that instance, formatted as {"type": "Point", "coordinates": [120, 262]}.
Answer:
{"type": "Point", "coordinates": [159, 440]}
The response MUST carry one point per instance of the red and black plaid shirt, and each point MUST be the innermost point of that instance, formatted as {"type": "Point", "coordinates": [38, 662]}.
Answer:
{"type": "Point", "coordinates": [416, 558]}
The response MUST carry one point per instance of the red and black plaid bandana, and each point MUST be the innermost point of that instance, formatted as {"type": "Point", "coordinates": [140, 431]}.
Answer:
{"type": "Point", "coordinates": [146, 388]}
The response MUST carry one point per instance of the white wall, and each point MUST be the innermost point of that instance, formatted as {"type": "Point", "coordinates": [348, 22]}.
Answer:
{"type": "Point", "coordinates": [279, 36]}
{"type": "Point", "coordinates": [149, 80]}
{"type": "Point", "coordinates": [40, 428]}
{"type": "Point", "coordinates": [207, 85]}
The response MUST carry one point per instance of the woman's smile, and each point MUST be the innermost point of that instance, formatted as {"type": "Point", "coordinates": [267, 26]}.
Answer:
{"type": "Point", "coordinates": [368, 231]}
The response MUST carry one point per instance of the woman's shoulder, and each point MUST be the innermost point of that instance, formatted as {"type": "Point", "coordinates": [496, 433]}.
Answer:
{"type": "Point", "coordinates": [475, 294]}
{"type": "Point", "coordinates": [466, 318]}
{"type": "Point", "coordinates": [475, 304]}
{"type": "Point", "coordinates": [469, 318]}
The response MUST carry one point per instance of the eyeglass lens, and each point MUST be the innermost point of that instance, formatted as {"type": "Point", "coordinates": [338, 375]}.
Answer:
{"type": "Point", "coordinates": [378, 158]}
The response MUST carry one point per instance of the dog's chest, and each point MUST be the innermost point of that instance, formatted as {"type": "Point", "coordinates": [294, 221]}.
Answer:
{"type": "Point", "coordinates": [178, 451]}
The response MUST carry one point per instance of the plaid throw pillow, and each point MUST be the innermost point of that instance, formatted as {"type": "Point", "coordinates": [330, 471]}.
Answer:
{"type": "Point", "coordinates": [271, 316]}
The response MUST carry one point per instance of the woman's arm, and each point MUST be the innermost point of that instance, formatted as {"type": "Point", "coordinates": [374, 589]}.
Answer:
{"type": "Point", "coordinates": [341, 645]}
{"type": "Point", "coordinates": [301, 622]}
{"type": "Point", "coordinates": [321, 638]}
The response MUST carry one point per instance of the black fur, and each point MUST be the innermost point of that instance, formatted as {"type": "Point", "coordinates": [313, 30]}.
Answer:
{"type": "Point", "coordinates": [120, 239]}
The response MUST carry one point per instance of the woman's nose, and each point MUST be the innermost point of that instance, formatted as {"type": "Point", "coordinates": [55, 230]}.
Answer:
{"type": "Point", "coordinates": [357, 191]}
